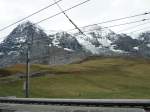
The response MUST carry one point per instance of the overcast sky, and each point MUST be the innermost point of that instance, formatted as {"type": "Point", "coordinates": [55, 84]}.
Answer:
{"type": "Point", "coordinates": [94, 11]}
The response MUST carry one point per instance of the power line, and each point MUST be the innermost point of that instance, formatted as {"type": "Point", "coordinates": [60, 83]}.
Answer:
{"type": "Point", "coordinates": [30, 15]}
{"type": "Point", "coordinates": [69, 19]}
{"type": "Point", "coordinates": [138, 30]}
{"type": "Point", "coordinates": [63, 11]}
{"type": "Point", "coordinates": [109, 21]}
{"type": "Point", "coordinates": [126, 23]}
{"type": "Point", "coordinates": [80, 31]}
{"type": "Point", "coordinates": [122, 24]}
{"type": "Point", "coordinates": [132, 27]}
{"type": "Point", "coordinates": [81, 3]}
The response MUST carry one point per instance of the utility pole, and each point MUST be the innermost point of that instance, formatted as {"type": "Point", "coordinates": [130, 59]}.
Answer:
{"type": "Point", "coordinates": [27, 70]}
{"type": "Point", "coordinates": [29, 43]}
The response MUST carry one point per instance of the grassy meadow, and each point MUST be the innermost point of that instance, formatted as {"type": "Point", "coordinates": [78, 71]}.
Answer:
{"type": "Point", "coordinates": [95, 77]}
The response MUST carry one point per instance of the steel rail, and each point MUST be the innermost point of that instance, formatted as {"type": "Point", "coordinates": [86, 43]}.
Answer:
{"type": "Point", "coordinates": [144, 103]}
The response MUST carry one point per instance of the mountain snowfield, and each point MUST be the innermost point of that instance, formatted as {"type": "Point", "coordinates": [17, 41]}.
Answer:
{"type": "Point", "coordinates": [96, 39]}
{"type": "Point", "coordinates": [63, 47]}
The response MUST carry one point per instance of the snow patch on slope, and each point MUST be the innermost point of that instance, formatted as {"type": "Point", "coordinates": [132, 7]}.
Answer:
{"type": "Point", "coordinates": [87, 45]}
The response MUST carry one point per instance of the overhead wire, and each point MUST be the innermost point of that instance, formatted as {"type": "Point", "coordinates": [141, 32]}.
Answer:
{"type": "Point", "coordinates": [116, 25]}
{"type": "Point", "coordinates": [138, 30]}
{"type": "Point", "coordinates": [126, 23]}
{"type": "Point", "coordinates": [69, 18]}
{"type": "Point", "coordinates": [29, 15]}
{"type": "Point", "coordinates": [113, 20]}
{"type": "Point", "coordinates": [81, 3]}
{"type": "Point", "coordinates": [132, 27]}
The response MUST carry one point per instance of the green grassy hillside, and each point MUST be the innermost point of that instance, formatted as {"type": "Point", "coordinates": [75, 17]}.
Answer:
{"type": "Point", "coordinates": [92, 78]}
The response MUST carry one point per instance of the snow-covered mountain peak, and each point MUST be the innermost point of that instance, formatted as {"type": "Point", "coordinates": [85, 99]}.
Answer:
{"type": "Point", "coordinates": [96, 37]}
{"type": "Point", "coordinates": [26, 26]}
{"type": "Point", "coordinates": [24, 31]}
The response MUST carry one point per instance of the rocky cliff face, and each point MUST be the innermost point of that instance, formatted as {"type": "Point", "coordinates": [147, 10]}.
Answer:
{"type": "Point", "coordinates": [144, 47]}
{"type": "Point", "coordinates": [43, 48]}
{"type": "Point", "coordinates": [66, 41]}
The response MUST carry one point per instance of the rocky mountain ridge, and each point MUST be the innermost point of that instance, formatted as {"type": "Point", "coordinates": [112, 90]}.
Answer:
{"type": "Point", "coordinates": [63, 47]}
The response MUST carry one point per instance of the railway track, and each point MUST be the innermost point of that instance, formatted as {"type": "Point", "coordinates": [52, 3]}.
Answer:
{"type": "Point", "coordinates": [142, 103]}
